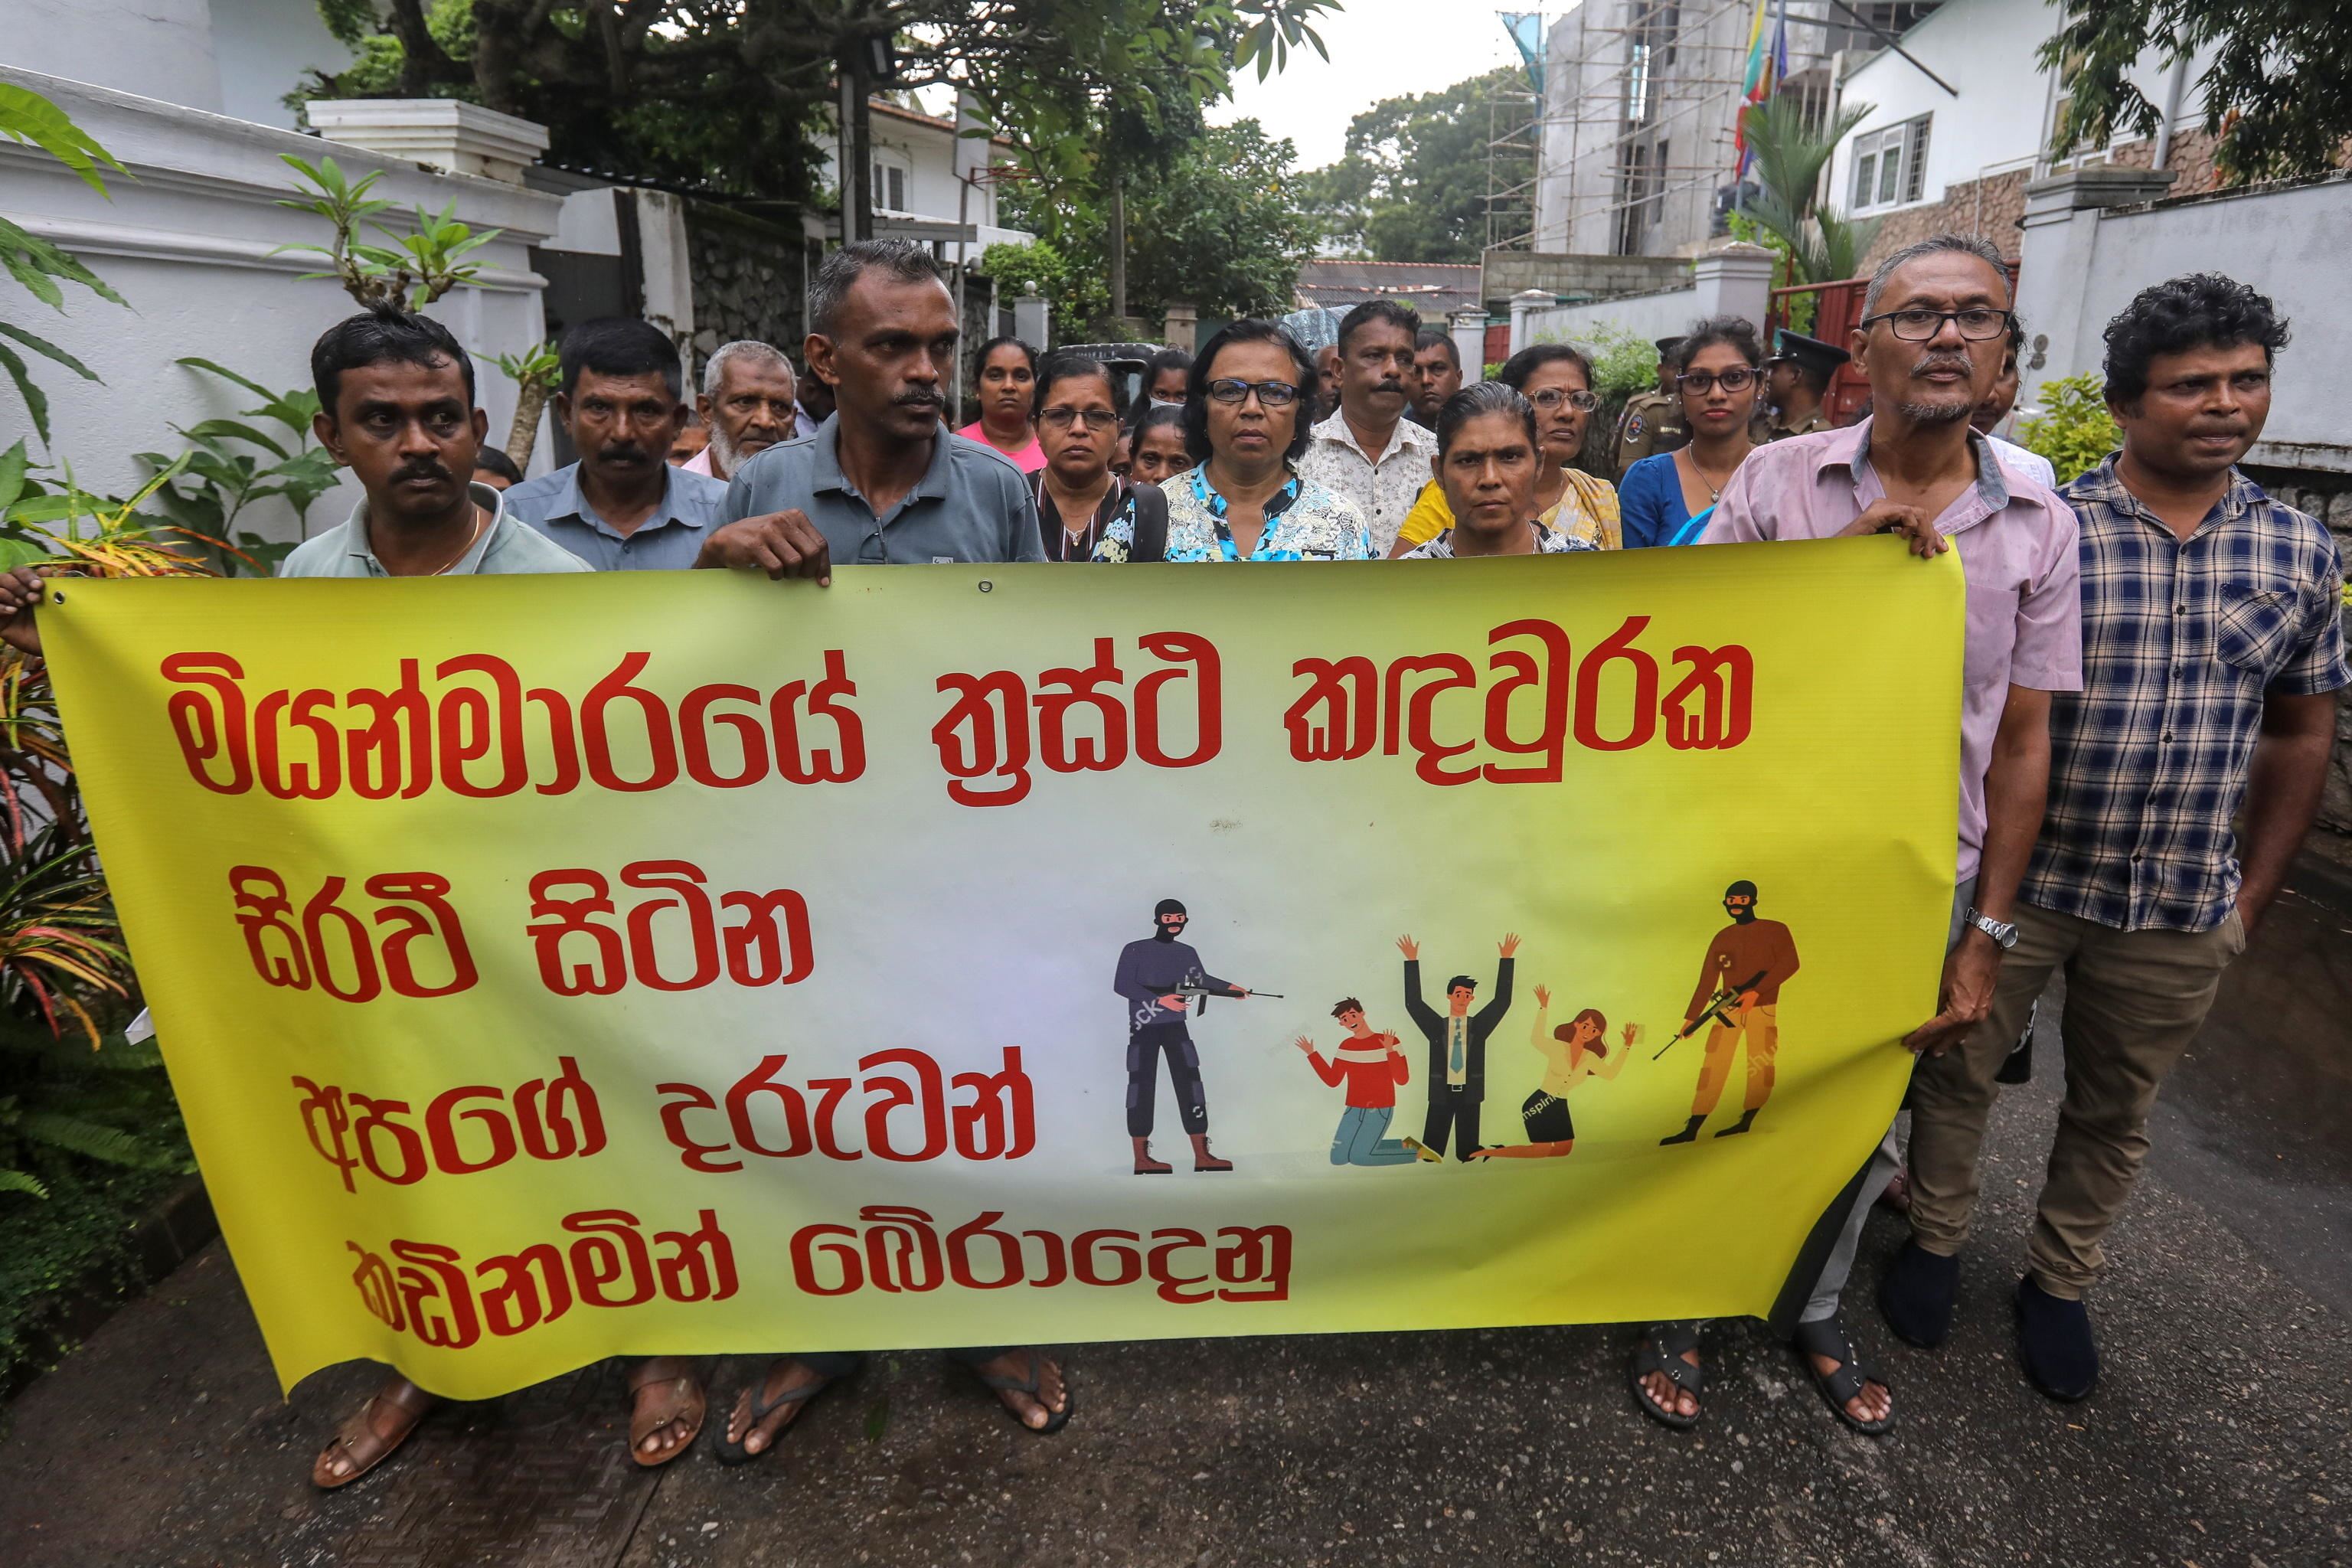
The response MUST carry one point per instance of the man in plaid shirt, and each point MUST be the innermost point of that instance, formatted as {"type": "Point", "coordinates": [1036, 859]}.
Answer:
{"type": "Point", "coordinates": [2213, 652]}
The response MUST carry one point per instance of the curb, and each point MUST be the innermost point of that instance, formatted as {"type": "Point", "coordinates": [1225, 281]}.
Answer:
{"type": "Point", "coordinates": [179, 1226]}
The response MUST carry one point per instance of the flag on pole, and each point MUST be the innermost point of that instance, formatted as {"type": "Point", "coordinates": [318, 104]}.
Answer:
{"type": "Point", "coordinates": [1768, 64]}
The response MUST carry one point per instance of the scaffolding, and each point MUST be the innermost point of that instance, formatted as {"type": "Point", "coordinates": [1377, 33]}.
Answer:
{"type": "Point", "coordinates": [1649, 117]}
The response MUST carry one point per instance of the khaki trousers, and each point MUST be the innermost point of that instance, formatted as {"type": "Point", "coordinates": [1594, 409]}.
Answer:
{"type": "Point", "coordinates": [2134, 1001]}
{"type": "Point", "coordinates": [1761, 1025]}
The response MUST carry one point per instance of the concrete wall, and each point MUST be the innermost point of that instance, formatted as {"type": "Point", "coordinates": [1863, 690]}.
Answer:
{"type": "Point", "coordinates": [2081, 268]}
{"type": "Point", "coordinates": [1508, 272]}
{"type": "Point", "coordinates": [262, 49]}
{"type": "Point", "coordinates": [188, 243]}
{"type": "Point", "coordinates": [157, 48]}
{"type": "Point", "coordinates": [1662, 314]}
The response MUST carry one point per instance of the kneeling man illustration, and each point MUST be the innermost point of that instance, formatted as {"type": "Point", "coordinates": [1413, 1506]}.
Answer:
{"type": "Point", "coordinates": [1371, 1066]}
{"type": "Point", "coordinates": [1153, 974]}
{"type": "Point", "coordinates": [1739, 987]}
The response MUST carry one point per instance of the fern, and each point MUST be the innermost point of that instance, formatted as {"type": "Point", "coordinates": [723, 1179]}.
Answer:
{"type": "Point", "coordinates": [90, 1139]}
{"type": "Point", "coordinates": [17, 1181]}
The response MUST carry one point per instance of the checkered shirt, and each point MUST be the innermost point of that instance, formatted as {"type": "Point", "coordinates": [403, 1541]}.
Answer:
{"type": "Point", "coordinates": [2181, 641]}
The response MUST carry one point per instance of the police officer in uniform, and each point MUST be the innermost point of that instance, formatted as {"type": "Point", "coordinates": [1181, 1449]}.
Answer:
{"type": "Point", "coordinates": [1796, 378]}
{"type": "Point", "coordinates": [1652, 421]}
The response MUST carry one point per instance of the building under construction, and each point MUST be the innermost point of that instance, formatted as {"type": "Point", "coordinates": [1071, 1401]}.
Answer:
{"type": "Point", "coordinates": [1638, 106]}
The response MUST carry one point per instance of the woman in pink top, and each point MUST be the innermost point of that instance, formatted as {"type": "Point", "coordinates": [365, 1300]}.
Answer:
{"type": "Point", "coordinates": [1008, 382]}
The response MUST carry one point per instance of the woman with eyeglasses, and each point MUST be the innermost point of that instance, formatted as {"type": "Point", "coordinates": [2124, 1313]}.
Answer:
{"type": "Point", "coordinates": [1667, 499]}
{"type": "Point", "coordinates": [1077, 496]}
{"type": "Point", "coordinates": [1007, 396]}
{"type": "Point", "coordinates": [1245, 426]}
{"type": "Point", "coordinates": [1557, 382]}
{"type": "Point", "coordinates": [1486, 463]}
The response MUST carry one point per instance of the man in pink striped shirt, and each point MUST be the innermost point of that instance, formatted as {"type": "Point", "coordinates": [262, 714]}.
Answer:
{"type": "Point", "coordinates": [1935, 323]}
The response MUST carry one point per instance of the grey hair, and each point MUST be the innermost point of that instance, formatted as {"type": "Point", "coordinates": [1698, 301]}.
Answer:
{"type": "Point", "coordinates": [1973, 244]}
{"type": "Point", "coordinates": [751, 351]}
{"type": "Point", "coordinates": [902, 260]}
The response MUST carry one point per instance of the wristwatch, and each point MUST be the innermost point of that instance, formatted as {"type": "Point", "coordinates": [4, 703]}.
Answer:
{"type": "Point", "coordinates": [2003, 936]}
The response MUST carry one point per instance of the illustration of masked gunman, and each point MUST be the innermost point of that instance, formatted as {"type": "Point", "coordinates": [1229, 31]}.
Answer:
{"type": "Point", "coordinates": [1740, 988]}
{"type": "Point", "coordinates": [1149, 972]}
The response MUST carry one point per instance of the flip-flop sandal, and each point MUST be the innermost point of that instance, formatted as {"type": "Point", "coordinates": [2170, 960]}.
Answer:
{"type": "Point", "coordinates": [1828, 1338]}
{"type": "Point", "coordinates": [359, 1441]}
{"type": "Point", "coordinates": [733, 1451]}
{"type": "Point", "coordinates": [1054, 1419]}
{"type": "Point", "coordinates": [1660, 1350]}
{"type": "Point", "coordinates": [643, 1423]}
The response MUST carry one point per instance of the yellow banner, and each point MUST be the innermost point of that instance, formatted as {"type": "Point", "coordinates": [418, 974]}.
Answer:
{"type": "Point", "coordinates": [554, 968]}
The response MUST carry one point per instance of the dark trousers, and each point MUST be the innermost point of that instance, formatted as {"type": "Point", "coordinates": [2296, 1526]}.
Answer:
{"type": "Point", "coordinates": [1144, 1048]}
{"type": "Point", "coordinates": [842, 1364]}
{"type": "Point", "coordinates": [1451, 1109]}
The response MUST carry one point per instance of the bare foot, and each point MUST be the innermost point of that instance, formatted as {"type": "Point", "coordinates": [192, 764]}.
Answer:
{"type": "Point", "coordinates": [782, 1376]}
{"type": "Point", "coordinates": [1662, 1391]}
{"type": "Point", "coordinates": [1036, 1410]}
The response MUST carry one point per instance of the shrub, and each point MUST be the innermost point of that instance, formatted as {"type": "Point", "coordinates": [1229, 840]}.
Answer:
{"type": "Point", "coordinates": [2071, 425]}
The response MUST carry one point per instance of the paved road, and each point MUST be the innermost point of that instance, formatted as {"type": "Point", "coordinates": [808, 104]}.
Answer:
{"type": "Point", "coordinates": [2221, 1434]}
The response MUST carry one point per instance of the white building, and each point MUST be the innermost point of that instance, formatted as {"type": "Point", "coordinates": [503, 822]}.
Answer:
{"type": "Point", "coordinates": [1957, 154]}
{"type": "Point", "coordinates": [1640, 101]}
{"type": "Point", "coordinates": [237, 58]}
{"type": "Point", "coordinates": [917, 192]}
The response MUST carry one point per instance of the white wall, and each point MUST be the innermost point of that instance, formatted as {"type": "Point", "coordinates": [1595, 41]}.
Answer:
{"type": "Point", "coordinates": [187, 242]}
{"type": "Point", "coordinates": [2290, 244]}
{"type": "Point", "coordinates": [927, 153]}
{"type": "Point", "coordinates": [1645, 316]}
{"type": "Point", "coordinates": [160, 48]}
{"type": "Point", "coordinates": [262, 49]}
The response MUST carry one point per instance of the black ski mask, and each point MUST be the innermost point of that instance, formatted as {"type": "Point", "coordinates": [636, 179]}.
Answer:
{"type": "Point", "coordinates": [1161, 930]}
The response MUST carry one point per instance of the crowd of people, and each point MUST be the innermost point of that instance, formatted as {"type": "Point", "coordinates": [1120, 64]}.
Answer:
{"type": "Point", "coordinates": [2153, 652]}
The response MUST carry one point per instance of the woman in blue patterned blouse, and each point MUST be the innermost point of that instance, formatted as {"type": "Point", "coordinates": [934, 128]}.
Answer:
{"type": "Point", "coordinates": [1244, 425]}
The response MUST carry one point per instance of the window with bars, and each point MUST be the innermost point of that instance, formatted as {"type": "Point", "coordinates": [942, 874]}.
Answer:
{"type": "Point", "coordinates": [1890, 166]}
{"type": "Point", "coordinates": [890, 187]}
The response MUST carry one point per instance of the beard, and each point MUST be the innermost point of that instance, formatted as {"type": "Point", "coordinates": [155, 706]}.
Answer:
{"type": "Point", "coordinates": [1935, 413]}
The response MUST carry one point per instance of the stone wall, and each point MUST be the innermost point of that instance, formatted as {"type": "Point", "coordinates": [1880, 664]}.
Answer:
{"type": "Point", "coordinates": [1994, 206]}
{"type": "Point", "coordinates": [751, 280]}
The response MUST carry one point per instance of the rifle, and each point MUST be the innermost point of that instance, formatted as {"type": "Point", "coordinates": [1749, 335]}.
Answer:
{"type": "Point", "coordinates": [1199, 995]}
{"type": "Point", "coordinates": [1714, 1010]}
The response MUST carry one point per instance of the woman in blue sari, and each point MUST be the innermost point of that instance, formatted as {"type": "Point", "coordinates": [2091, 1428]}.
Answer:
{"type": "Point", "coordinates": [1667, 499]}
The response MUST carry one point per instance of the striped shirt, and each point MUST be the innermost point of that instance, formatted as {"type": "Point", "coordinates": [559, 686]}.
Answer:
{"type": "Point", "coordinates": [2180, 642]}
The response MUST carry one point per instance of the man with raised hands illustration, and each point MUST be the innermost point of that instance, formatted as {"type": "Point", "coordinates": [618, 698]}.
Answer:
{"type": "Point", "coordinates": [1458, 1047]}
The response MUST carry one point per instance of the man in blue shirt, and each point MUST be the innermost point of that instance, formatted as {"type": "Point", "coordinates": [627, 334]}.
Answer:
{"type": "Point", "coordinates": [621, 507]}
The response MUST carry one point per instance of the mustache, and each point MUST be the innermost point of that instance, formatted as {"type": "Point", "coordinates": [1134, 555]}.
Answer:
{"type": "Point", "coordinates": [427, 471]}
{"type": "Point", "coordinates": [919, 400]}
{"type": "Point", "coordinates": [622, 452]}
{"type": "Point", "coordinates": [1929, 363]}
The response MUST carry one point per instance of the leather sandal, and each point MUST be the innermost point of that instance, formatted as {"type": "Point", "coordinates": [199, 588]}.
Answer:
{"type": "Point", "coordinates": [1827, 1338]}
{"type": "Point", "coordinates": [358, 1440]}
{"type": "Point", "coordinates": [687, 1407]}
{"type": "Point", "coordinates": [1660, 1350]}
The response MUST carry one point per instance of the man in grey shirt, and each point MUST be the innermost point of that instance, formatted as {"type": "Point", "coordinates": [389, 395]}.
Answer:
{"type": "Point", "coordinates": [621, 507]}
{"type": "Point", "coordinates": [882, 481]}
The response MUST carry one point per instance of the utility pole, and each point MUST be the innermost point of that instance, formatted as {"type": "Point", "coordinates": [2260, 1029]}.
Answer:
{"type": "Point", "coordinates": [857, 74]}
{"type": "Point", "coordinates": [1117, 246]}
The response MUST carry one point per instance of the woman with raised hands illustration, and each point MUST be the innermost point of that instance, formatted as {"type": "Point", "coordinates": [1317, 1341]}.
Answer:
{"type": "Point", "coordinates": [1574, 1051]}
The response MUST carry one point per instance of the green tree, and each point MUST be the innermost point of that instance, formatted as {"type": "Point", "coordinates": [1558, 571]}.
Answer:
{"type": "Point", "coordinates": [731, 93]}
{"type": "Point", "coordinates": [2072, 428]}
{"type": "Point", "coordinates": [1413, 184]}
{"type": "Point", "coordinates": [2276, 95]}
{"type": "Point", "coordinates": [1226, 232]}
{"type": "Point", "coordinates": [1822, 247]}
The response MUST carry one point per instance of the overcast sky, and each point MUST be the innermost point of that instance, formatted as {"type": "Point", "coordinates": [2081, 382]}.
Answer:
{"type": "Point", "coordinates": [1380, 48]}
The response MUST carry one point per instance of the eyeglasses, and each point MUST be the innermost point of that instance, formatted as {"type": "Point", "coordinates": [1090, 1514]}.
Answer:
{"type": "Point", "coordinates": [1270, 393]}
{"type": "Point", "coordinates": [1705, 380]}
{"type": "Point", "coordinates": [1085, 418]}
{"type": "Point", "coordinates": [1551, 397]}
{"type": "Point", "coordinates": [1979, 325]}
